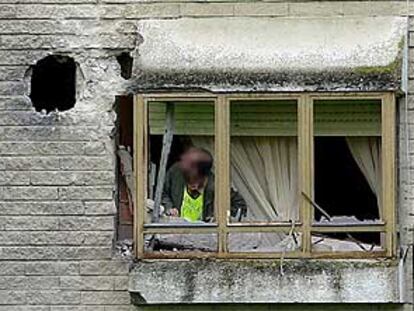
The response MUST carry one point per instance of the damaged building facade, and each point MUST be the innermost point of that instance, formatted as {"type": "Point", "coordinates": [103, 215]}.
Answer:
{"type": "Point", "coordinates": [301, 112]}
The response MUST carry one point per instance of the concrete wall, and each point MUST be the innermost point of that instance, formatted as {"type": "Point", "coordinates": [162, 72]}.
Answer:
{"type": "Point", "coordinates": [57, 172]}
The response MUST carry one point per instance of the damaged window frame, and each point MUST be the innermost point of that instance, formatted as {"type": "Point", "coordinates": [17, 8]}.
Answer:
{"type": "Point", "coordinates": [306, 224]}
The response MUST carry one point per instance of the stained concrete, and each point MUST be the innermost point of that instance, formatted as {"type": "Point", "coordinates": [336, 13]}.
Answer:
{"type": "Point", "coordinates": [204, 281]}
{"type": "Point", "coordinates": [265, 54]}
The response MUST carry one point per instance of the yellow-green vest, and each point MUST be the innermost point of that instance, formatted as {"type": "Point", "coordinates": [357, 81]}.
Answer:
{"type": "Point", "coordinates": [192, 209]}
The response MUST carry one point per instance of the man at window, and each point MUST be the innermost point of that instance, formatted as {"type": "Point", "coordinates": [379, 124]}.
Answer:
{"type": "Point", "coordinates": [189, 188]}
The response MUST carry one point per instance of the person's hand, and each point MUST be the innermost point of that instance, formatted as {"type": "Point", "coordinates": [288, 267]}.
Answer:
{"type": "Point", "coordinates": [174, 212]}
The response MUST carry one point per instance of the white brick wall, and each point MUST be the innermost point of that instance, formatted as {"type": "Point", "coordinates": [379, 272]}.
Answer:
{"type": "Point", "coordinates": [57, 172]}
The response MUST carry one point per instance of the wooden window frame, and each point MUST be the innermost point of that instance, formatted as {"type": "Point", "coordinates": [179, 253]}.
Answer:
{"type": "Point", "coordinates": [305, 103]}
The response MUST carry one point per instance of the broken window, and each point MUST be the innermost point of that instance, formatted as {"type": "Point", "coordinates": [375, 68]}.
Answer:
{"type": "Point", "coordinates": [53, 84]}
{"type": "Point", "coordinates": [264, 172]}
{"type": "Point", "coordinates": [181, 174]}
{"type": "Point", "coordinates": [347, 179]}
{"type": "Point", "coordinates": [265, 176]}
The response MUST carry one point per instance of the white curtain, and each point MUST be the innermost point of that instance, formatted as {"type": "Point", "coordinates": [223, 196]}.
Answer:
{"type": "Point", "coordinates": [264, 172]}
{"type": "Point", "coordinates": [367, 154]}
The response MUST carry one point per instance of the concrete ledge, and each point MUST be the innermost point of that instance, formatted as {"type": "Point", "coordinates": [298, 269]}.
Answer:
{"type": "Point", "coordinates": [244, 54]}
{"type": "Point", "coordinates": [201, 281]}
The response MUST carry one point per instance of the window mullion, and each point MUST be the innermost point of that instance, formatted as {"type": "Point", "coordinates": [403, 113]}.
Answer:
{"type": "Point", "coordinates": [222, 153]}
{"type": "Point", "coordinates": [140, 170]}
{"type": "Point", "coordinates": [305, 136]}
{"type": "Point", "coordinates": [388, 170]}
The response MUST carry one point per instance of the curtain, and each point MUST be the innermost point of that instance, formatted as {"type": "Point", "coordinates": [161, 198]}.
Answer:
{"type": "Point", "coordinates": [367, 154]}
{"type": "Point", "coordinates": [264, 172]}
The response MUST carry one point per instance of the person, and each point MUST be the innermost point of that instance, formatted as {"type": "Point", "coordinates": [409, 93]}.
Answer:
{"type": "Point", "coordinates": [189, 188]}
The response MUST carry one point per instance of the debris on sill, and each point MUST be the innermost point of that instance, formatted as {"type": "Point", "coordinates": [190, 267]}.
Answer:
{"type": "Point", "coordinates": [124, 248]}
{"type": "Point", "coordinates": [207, 242]}
{"type": "Point", "coordinates": [326, 244]}
{"type": "Point", "coordinates": [346, 220]}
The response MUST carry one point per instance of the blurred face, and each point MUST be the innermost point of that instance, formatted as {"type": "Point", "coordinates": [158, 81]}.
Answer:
{"type": "Point", "coordinates": [188, 162]}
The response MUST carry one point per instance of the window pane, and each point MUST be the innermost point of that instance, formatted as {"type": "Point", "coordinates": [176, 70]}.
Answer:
{"type": "Point", "coordinates": [264, 242]}
{"type": "Point", "coordinates": [347, 159]}
{"type": "Point", "coordinates": [181, 163]}
{"type": "Point", "coordinates": [264, 161]}
{"type": "Point", "coordinates": [348, 242]}
{"type": "Point", "coordinates": [169, 243]}
{"type": "Point", "coordinates": [347, 117]}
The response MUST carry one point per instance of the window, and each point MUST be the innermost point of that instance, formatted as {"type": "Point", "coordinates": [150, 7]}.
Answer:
{"type": "Point", "coordinates": [265, 175]}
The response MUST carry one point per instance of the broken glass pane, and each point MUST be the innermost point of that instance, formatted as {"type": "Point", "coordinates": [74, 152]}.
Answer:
{"type": "Point", "coordinates": [181, 167]}
{"type": "Point", "coordinates": [264, 161]}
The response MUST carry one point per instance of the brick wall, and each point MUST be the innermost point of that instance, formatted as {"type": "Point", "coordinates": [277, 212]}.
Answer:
{"type": "Point", "coordinates": [57, 172]}
{"type": "Point", "coordinates": [57, 211]}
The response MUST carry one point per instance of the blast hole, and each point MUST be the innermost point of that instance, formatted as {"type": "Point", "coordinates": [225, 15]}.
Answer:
{"type": "Point", "coordinates": [125, 61]}
{"type": "Point", "coordinates": [53, 84]}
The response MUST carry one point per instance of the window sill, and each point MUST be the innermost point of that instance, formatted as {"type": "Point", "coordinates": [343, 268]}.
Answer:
{"type": "Point", "coordinates": [264, 281]}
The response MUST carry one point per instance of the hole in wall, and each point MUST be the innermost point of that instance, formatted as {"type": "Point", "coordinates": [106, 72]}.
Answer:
{"type": "Point", "coordinates": [125, 61]}
{"type": "Point", "coordinates": [53, 83]}
{"type": "Point", "coordinates": [124, 139]}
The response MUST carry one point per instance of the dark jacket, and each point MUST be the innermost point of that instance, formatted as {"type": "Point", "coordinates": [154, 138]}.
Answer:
{"type": "Point", "coordinates": [175, 184]}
